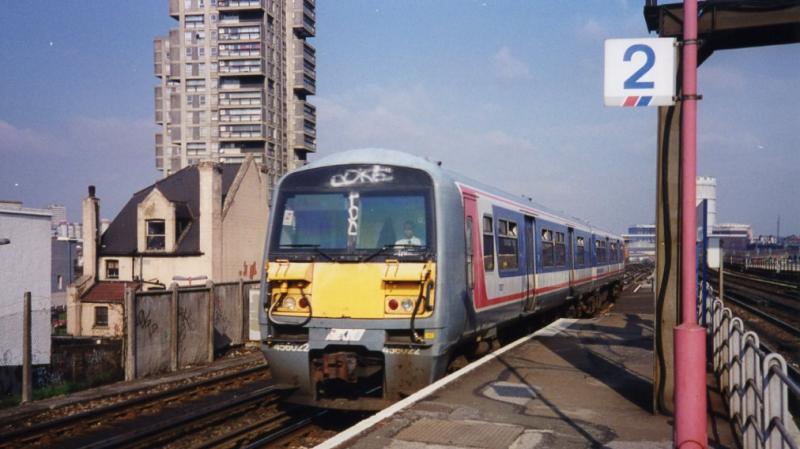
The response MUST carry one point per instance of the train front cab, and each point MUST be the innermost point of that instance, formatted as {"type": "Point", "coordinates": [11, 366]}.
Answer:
{"type": "Point", "coordinates": [352, 286]}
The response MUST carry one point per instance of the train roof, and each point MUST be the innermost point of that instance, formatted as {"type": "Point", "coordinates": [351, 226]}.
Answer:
{"type": "Point", "coordinates": [444, 175]}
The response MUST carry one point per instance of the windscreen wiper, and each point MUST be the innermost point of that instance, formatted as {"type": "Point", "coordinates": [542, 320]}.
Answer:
{"type": "Point", "coordinates": [314, 246]}
{"type": "Point", "coordinates": [383, 249]}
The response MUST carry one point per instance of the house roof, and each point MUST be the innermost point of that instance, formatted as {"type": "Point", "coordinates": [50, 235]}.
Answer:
{"type": "Point", "coordinates": [108, 292]}
{"type": "Point", "coordinates": [181, 188]}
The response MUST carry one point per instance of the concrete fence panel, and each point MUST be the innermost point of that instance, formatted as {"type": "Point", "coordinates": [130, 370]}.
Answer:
{"type": "Point", "coordinates": [193, 318]}
{"type": "Point", "coordinates": [228, 310]}
{"type": "Point", "coordinates": [151, 333]}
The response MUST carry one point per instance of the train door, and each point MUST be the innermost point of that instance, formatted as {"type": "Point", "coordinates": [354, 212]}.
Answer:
{"type": "Point", "coordinates": [530, 265]}
{"type": "Point", "coordinates": [571, 258]}
{"type": "Point", "coordinates": [476, 286]}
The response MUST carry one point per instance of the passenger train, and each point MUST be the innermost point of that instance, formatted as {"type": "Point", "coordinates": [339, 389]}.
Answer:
{"type": "Point", "coordinates": [380, 265]}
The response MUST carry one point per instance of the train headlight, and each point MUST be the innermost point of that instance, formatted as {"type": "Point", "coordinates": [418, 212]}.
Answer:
{"type": "Point", "coordinates": [407, 305]}
{"type": "Point", "coordinates": [289, 304]}
{"type": "Point", "coordinates": [303, 303]}
{"type": "Point", "coordinates": [393, 304]}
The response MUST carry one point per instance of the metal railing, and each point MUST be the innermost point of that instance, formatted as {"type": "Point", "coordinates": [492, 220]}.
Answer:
{"type": "Point", "coordinates": [755, 383]}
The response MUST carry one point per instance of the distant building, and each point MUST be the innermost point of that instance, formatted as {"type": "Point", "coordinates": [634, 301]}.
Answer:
{"type": "Point", "coordinates": [235, 76]}
{"type": "Point", "coordinates": [66, 268]}
{"type": "Point", "coordinates": [734, 236]}
{"type": "Point", "coordinates": [707, 190]}
{"type": "Point", "coordinates": [640, 241]}
{"type": "Point", "coordinates": [204, 222]}
{"type": "Point", "coordinates": [24, 266]}
{"type": "Point", "coordinates": [59, 212]}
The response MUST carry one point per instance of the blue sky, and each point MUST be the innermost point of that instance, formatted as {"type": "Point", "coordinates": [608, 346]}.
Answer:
{"type": "Point", "coordinates": [509, 92]}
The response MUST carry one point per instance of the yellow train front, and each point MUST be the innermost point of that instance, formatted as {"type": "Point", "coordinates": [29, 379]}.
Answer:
{"type": "Point", "coordinates": [379, 264]}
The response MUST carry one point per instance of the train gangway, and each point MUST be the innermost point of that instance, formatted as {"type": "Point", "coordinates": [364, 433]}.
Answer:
{"type": "Point", "coordinates": [575, 383]}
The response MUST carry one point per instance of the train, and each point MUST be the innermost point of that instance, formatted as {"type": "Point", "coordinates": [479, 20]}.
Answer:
{"type": "Point", "coordinates": [380, 266]}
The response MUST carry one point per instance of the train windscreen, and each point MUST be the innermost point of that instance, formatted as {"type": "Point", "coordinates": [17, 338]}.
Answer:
{"type": "Point", "coordinates": [341, 212]}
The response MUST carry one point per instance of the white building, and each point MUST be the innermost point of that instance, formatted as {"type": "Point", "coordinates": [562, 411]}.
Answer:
{"type": "Point", "coordinates": [707, 190]}
{"type": "Point", "coordinates": [25, 255]}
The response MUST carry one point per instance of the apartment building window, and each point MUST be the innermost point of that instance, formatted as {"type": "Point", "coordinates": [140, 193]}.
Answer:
{"type": "Point", "coordinates": [195, 85]}
{"type": "Point", "coordinates": [240, 115]}
{"type": "Point", "coordinates": [194, 21]}
{"type": "Point", "coordinates": [156, 236]}
{"type": "Point", "coordinates": [112, 269]}
{"type": "Point", "coordinates": [195, 148]}
{"type": "Point", "coordinates": [101, 316]}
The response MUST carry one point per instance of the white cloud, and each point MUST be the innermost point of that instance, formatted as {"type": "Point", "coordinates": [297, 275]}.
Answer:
{"type": "Point", "coordinates": [507, 66]}
{"type": "Point", "coordinates": [56, 163]}
{"type": "Point", "coordinates": [84, 134]}
{"type": "Point", "coordinates": [13, 139]}
{"type": "Point", "coordinates": [591, 29]}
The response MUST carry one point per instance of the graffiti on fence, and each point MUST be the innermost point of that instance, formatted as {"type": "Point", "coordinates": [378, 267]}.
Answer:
{"type": "Point", "coordinates": [143, 321]}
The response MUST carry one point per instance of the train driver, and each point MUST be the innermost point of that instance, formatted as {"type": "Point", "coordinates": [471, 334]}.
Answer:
{"type": "Point", "coordinates": [408, 232]}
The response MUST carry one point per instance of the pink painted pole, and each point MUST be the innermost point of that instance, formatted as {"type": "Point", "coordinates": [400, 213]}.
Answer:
{"type": "Point", "coordinates": [690, 339]}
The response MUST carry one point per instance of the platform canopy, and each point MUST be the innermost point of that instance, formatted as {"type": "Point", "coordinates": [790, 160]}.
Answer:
{"type": "Point", "coordinates": [729, 24]}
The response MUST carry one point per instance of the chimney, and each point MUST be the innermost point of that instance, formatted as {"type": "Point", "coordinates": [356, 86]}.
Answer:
{"type": "Point", "coordinates": [91, 212]}
{"type": "Point", "coordinates": [210, 221]}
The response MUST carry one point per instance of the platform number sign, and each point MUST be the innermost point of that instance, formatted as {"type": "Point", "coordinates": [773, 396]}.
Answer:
{"type": "Point", "coordinates": [640, 72]}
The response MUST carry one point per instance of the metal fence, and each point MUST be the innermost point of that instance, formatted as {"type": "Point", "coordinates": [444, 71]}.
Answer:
{"type": "Point", "coordinates": [755, 383]}
{"type": "Point", "coordinates": [166, 330]}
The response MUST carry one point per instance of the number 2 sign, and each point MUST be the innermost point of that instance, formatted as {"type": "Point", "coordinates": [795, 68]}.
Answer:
{"type": "Point", "coordinates": [640, 72]}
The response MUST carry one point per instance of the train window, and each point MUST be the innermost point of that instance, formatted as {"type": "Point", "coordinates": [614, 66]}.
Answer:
{"type": "Point", "coordinates": [613, 253]}
{"type": "Point", "coordinates": [601, 251]}
{"type": "Point", "coordinates": [580, 251]}
{"type": "Point", "coordinates": [548, 257]}
{"type": "Point", "coordinates": [391, 219]}
{"type": "Point", "coordinates": [560, 249]}
{"type": "Point", "coordinates": [507, 245]}
{"type": "Point", "coordinates": [488, 243]}
{"type": "Point", "coordinates": [362, 221]}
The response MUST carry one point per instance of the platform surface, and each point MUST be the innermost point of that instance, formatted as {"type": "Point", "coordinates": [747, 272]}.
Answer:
{"type": "Point", "coordinates": [578, 384]}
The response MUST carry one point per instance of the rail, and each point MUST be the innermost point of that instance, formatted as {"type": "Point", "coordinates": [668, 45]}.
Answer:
{"type": "Point", "coordinates": [755, 383]}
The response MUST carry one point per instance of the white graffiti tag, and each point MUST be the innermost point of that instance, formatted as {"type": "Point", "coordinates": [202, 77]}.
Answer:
{"type": "Point", "coordinates": [368, 175]}
{"type": "Point", "coordinates": [352, 215]}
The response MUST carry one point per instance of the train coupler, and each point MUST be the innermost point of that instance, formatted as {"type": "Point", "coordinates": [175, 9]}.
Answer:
{"type": "Point", "coordinates": [344, 366]}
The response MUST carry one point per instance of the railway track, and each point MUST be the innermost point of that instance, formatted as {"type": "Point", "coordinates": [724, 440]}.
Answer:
{"type": "Point", "coordinates": [42, 428]}
{"type": "Point", "coordinates": [251, 418]}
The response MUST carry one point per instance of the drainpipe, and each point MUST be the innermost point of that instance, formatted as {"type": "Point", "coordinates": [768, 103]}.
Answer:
{"type": "Point", "coordinates": [690, 338]}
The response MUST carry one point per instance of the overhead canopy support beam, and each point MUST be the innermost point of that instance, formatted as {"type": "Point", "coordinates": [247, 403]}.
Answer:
{"type": "Point", "coordinates": [730, 24]}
